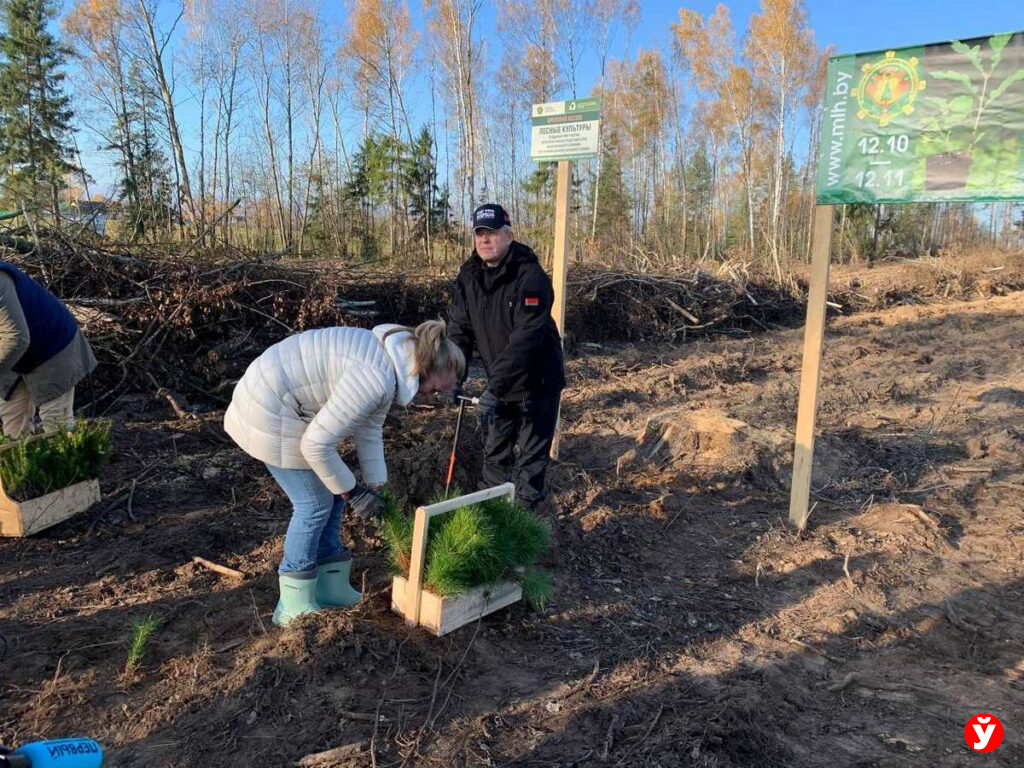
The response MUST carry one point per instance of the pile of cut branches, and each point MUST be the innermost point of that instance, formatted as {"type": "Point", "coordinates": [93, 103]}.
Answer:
{"type": "Point", "coordinates": [614, 305]}
{"type": "Point", "coordinates": [184, 322]}
{"type": "Point", "coordinates": [190, 322]}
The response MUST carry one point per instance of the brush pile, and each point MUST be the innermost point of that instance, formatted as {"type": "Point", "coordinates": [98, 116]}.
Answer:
{"type": "Point", "coordinates": [184, 323]}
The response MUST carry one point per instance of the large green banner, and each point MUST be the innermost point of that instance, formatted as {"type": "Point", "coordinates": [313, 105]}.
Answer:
{"type": "Point", "coordinates": [932, 123]}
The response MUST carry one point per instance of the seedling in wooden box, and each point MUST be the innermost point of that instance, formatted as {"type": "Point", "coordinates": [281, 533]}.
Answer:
{"type": "Point", "coordinates": [470, 565]}
{"type": "Point", "coordinates": [47, 478]}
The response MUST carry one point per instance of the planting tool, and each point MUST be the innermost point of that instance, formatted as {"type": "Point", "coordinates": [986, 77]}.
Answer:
{"type": "Point", "coordinates": [55, 753]}
{"type": "Point", "coordinates": [455, 443]}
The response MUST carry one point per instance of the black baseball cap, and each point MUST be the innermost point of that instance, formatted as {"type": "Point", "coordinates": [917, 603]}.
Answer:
{"type": "Point", "coordinates": [490, 216]}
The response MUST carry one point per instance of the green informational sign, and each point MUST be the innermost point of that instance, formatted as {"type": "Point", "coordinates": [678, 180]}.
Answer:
{"type": "Point", "coordinates": [565, 130]}
{"type": "Point", "coordinates": [932, 123]}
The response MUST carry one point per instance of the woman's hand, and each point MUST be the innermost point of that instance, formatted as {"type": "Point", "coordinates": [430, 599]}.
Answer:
{"type": "Point", "coordinates": [364, 501]}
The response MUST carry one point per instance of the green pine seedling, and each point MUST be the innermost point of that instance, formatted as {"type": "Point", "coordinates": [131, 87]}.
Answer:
{"type": "Point", "coordinates": [464, 552]}
{"type": "Point", "coordinates": [524, 534]}
{"type": "Point", "coordinates": [396, 527]}
{"type": "Point", "coordinates": [471, 546]}
{"type": "Point", "coordinates": [538, 589]}
{"type": "Point", "coordinates": [142, 629]}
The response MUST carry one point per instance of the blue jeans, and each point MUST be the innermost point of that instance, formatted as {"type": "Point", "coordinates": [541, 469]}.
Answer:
{"type": "Point", "coordinates": [314, 532]}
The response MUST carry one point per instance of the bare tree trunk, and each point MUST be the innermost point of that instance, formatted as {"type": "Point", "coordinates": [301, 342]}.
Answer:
{"type": "Point", "coordinates": [290, 119]}
{"type": "Point", "coordinates": [274, 174]}
{"type": "Point", "coordinates": [202, 161]}
{"type": "Point", "coordinates": [156, 65]}
{"type": "Point", "coordinates": [780, 144]}
{"type": "Point", "coordinates": [315, 82]}
{"type": "Point", "coordinates": [228, 121]}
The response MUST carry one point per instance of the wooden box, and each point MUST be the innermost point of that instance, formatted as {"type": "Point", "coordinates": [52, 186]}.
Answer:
{"type": "Point", "coordinates": [441, 615]}
{"type": "Point", "coordinates": [23, 518]}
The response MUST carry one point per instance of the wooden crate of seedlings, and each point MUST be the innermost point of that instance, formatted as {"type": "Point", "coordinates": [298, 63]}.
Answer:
{"type": "Point", "coordinates": [45, 479]}
{"type": "Point", "coordinates": [473, 563]}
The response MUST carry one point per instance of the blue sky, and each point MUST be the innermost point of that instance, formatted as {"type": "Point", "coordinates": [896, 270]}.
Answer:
{"type": "Point", "coordinates": [858, 25]}
{"type": "Point", "coordinates": [867, 25]}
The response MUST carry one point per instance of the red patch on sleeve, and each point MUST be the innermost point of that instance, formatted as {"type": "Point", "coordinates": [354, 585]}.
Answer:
{"type": "Point", "coordinates": [531, 301]}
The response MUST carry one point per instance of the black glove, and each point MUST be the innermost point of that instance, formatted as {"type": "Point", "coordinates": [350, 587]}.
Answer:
{"type": "Point", "coordinates": [486, 407]}
{"type": "Point", "coordinates": [455, 394]}
{"type": "Point", "coordinates": [364, 501]}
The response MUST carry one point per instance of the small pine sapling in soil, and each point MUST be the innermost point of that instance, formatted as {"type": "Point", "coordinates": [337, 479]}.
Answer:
{"type": "Point", "coordinates": [142, 629]}
{"type": "Point", "coordinates": [538, 589]}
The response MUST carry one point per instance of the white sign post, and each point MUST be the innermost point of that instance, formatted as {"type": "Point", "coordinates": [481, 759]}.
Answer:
{"type": "Point", "coordinates": [563, 131]}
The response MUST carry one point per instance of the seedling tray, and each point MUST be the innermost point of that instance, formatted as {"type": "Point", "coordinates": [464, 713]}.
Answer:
{"type": "Point", "coordinates": [29, 516]}
{"type": "Point", "coordinates": [23, 518]}
{"type": "Point", "coordinates": [443, 614]}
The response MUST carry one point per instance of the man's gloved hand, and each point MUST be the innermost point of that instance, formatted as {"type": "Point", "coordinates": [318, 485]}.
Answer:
{"type": "Point", "coordinates": [486, 407]}
{"type": "Point", "coordinates": [455, 394]}
{"type": "Point", "coordinates": [364, 502]}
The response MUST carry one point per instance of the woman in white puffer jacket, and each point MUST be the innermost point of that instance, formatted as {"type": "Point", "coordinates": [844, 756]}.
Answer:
{"type": "Point", "coordinates": [293, 406]}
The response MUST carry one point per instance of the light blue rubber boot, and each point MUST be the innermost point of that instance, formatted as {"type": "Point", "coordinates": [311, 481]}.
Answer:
{"type": "Point", "coordinates": [332, 586]}
{"type": "Point", "coordinates": [297, 596]}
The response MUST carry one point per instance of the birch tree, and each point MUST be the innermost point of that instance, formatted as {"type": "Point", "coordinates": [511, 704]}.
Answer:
{"type": "Point", "coordinates": [781, 47]}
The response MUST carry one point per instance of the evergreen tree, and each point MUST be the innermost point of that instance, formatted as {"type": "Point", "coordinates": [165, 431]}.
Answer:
{"type": "Point", "coordinates": [369, 184]}
{"type": "Point", "coordinates": [145, 190]}
{"type": "Point", "coordinates": [428, 203]}
{"type": "Point", "coordinates": [35, 113]}
{"type": "Point", "coordinates": [536, 223]}
{"type": "Point", "coordinates": [612, 227]}
{"type": "Point", "coordinates": [701, 204]}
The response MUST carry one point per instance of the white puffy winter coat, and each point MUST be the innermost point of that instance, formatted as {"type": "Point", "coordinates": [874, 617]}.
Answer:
{"type": "Point", "coordinates": [303, 395]}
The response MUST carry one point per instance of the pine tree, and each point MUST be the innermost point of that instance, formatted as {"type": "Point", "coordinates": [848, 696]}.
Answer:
{"type": "Point", "coordinates": [612, 226]}
{"type": "Point", "coordinates": [428, 203]}
{"type": "Point", "coordinates": [35, 113]}
{"type": "Point", "coordinates": [700, 181]}
{"type": "Point", "coordinates": [146, 191]}
{"type": "Point", "coordinates": [368, 185]}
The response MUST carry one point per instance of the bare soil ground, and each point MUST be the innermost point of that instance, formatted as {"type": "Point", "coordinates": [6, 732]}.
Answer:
{"type": "Point", "coordinates": [690, 626]}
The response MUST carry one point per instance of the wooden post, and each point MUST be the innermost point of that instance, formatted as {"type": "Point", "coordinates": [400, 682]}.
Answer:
{"type": "Point", "coordinates": [810, 375]}
{"type": "Point", "coordinates": [560, 270]}
{"type": "Point", "coordinates": [560, 262]}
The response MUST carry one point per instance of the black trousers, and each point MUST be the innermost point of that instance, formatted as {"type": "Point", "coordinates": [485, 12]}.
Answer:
{"type": "Point", "coordinates": [517, 445]}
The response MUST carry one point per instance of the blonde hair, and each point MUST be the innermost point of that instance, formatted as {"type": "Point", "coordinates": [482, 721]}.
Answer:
{"type": "Point", "coordinates": [434, 350]}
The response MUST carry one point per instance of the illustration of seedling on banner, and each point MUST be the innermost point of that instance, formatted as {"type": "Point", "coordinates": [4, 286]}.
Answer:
{"type": "Point", "coordinates": [955, 139]}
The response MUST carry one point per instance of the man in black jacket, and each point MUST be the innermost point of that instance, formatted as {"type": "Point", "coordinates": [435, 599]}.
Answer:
{"type": "Point", "coordinates": [501, 306]}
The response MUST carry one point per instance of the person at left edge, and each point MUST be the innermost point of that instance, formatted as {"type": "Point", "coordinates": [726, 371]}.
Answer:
{"type": "Point", "coordinates": [43, 356]}
{"type": "Point", "coordinates": [293, 406]}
